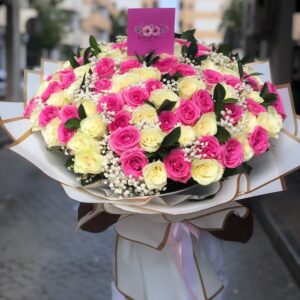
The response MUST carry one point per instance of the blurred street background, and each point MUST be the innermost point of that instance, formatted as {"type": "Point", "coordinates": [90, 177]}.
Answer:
{"type": "Point", "coordinates": [42, 256]}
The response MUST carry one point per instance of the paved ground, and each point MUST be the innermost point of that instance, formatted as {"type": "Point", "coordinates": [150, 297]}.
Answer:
{"type": "Point", "coordinates": [42, 256]}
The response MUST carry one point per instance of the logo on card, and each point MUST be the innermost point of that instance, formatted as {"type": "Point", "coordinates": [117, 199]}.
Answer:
{"type": "Point", "coordinates": [151, 31]}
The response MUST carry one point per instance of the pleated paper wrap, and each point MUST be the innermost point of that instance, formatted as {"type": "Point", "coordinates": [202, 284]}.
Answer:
{"type": "Point", "coordinates": [158, 254]}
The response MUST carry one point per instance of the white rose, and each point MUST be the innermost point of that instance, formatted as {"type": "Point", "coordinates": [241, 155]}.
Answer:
{"type": "Point", "coordinates": [254, 95]}
{"type": "Point", "coordinates": [271, 121]}
{"type": "Point", "coordinates": [144, 114]}
{"type": "Point", "coordinates": [188, 85]}
{"type": "Point", "coordinates": [122, 81]}
{"type": "Point", "coordinates": [151, 139]}
{"type": "Point", "coordinates": [59, 99]}
{"type": "Point", "coordinates": [145, 73]}
{"type": "Point", "coordinates": [34, 118]}
{"type": "Point", "coordinates": [155, 175]}
{"type": "Point", "coordinates": [206, 125]}
{"type": "Point", "coordinates": [94, 126]}
{"type": "Point", "coordinates": [88, 162]}
{"type": "Point", "coordinates": [50, 133]}
{"type": "Point", "coordinates": [247, 123]}
{"type": "Point", "coordinates": [206, 171]}
{"type": "Point", "coordinates": [82, 142]}
{"type": "Point", "coordinates": [160, 95]}
{"type": "Point", "coordinates": [89, 107]}
{"type": "Point", "coordinates": [247, 149]}
{"type": "Point", "coordinates": [187, 135]}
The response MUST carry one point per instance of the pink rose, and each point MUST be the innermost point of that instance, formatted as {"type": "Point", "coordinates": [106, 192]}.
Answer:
{"type": "Point", "coordinates": [111, 102]}
{"type": "Point", "coordinates": [134, 96]}
{"type": "Point", "coordinates": [129, 64]}
{"type": "Point", "coordinates": [182, 42]}
{"type": "Point", "coordinates": [188, 112]}
{"type": "Point", "coordinates": [67, 77]}
{"type": "Point", "coordinates": [48, 114]}
{"type": "Point", "coordinates": [203, 50]}
{"type": "Point", "coordinates": [121, 45]}
{"type": "Point", "coordinates": [152, 84]}
{"type": "Point", "coordinates": [65, 134]}
{"type": "Point", "coordinates": [231, 154]}
{"type": "Point", "coordinates": [232, 81]}
{"type": "Point", "coordinates": [259, 140]}
{"type": "Point", "coordinates": [233, 111]}
{"type": "Point", "coordinates": [278, 105]}
{"type": "Point", "coordinates": [184, 70]}
{"type": "Point", "coordinates": [53, 87]}
{"type": "Point", "coordinates": [209, 147]}
{"type": "Point", "coordinates": [125, 138]}
{"type": "Point", "coordinates": [29, 108]}
{"type": "Point", "coordinates": [212, 77]}
{"type": "Point", "coordinates": [80, 60]}
{"type": "Point", "coordinates": [49, 77]}
{"type": "Point", "coordinates": [105, 67]}
{"type": "Point", "coordinates": [177, 167]}
{"type": "Point", "coordinates": [102, 85]}
{"type": "Point", "coordinates": [254, 107]}
{"type": "Point", "coordinates": [68, 112]}
{"type": "Point", "coordinates": [165, 65]}
{"type": "Point", "coordinates": [133, 161]}
{"type": "Point", "coordinates": [167, 120]}
{"type": "Point", "coordinates": [122, 119]}
{"type": "Point", "coordinates": [203, 101]}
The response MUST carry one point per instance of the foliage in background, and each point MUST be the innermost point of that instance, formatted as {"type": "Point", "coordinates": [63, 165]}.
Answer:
{"type": "Point", "coordinates": [49, 26]}
{"type": "Point", "coordinates": [118, 24]}
{"type": "Point", "coordinates": [232, 23]}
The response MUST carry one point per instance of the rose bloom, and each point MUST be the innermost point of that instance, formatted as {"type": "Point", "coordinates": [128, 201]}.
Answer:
{"type": "Point", "coordinates": [187, 113]}
{"type": "Point", "coordinates": [135, 96]}
{"type": "Point", "coordinates": [133, 161]}
{"type": "Point", "coordinates": [203, 101]}
{"type": "Point", "coordinates": [236, 112]}
{"type": "Point", "coordinates": [231, 153]}
{"type": "Point", "coordinates": [50, 133]}
{"type": "Point", "coordinates": [53, 87]}
{"type": "Point", "coordinates": [212, 77]}
{"type": "Point", "coordinates": [259, 140]}
{"type": "Point", "coordinates": [125, 138]}
{"type": "Point", "coordinates": [121, 45]}
{"type": "Point", "coordinates": [184, 70]}
{"type": "Point", "coordinates": [167, 120]}
{"type": "Point", "coordinates": [177, 167]}
{"type": "Point", "coordinates": [112, 102]}
{"type": "Point", "coordinates": [126, 65]}
{"type": "Point", "coordinates": [233, 81]}
{"type": "Point", "coordinates": [255, 107]}
{"type": "Point", "coordinates": [68, 112]}
{"type": "Point", "coordinates": [278, 105]}
{"type": "Point", "coordinates": [203, 50]}
{"type": "Point", "coordinates": [29, 108]}
{"type": "Point", "coordinates": [102, 85]}
{"type": "Point", "coordinates": [252, 82]}
{"type": "Point", "coordinates": [64, 134]}
{"type": "Point", "coordinates": [165, 65]}
{"type": "Point", "coordinates": [122, 119]}
{"type": "Point", "coordinates": [209, 146]}
{"type": "Point", "coordinates": [152, 84]}
{"type": "Point", "coordinates": [155, 175]}
{"type": "Point", "coordinates": [67, 77]}
{"type": "Point", "coordinates": [48, 114]}
{"type": "Point", "coordinates": [105, 67]}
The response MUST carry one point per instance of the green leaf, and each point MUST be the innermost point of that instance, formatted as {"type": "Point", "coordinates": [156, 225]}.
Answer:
{"type": "Point", "coordinates": [241, 69]}
{"type": "Point", "coordinates": [219, 92]}
{"type": "Point", "coordinates": [74, 63]}
{"type": "Point", "coordinates": [149, 103]}
{"type": "Point", "coordinates": [193, 49]}
{"type": "Point", "coordinates": [86, 55]}
{"type": "Point", "coordinates": [230, 100]}
{"type": "Point", "coordinates": [224, 49]}
{"type": "Point", "coordinates": [70, 163]}
{"type": "Point", "coordinates": [222, 134]}
{"type": "Point", "coordinates": [94, 44]}
{"type": "Point", "coordinates": [172, 138]}
{"type": "Point", "coordinates": [265, 90]}
{"type": "Point", "coordinates": [200, 59]}
{"type": "Point", "coordinates": [252, 74]}
{"type": "Point", "coordinates": [188, 35]}
{"type": "Point", "coordinates": [81, 112]}
{"type": "Point", "coordinates": [73, 123]}
{"type": "Point", "coordinates": [167, 105]}
{"type": "Point", "coordinates": [184, 50]}
{"type": "Point", "coordinates": [269, 98]}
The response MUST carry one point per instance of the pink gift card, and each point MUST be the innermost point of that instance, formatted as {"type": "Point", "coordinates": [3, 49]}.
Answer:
{"type": "Point", "coordinates": [150, 29]}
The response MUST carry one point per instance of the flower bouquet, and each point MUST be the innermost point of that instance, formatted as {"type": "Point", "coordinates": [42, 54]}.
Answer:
{"type": "Point", "coordinates": [160, 139]}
